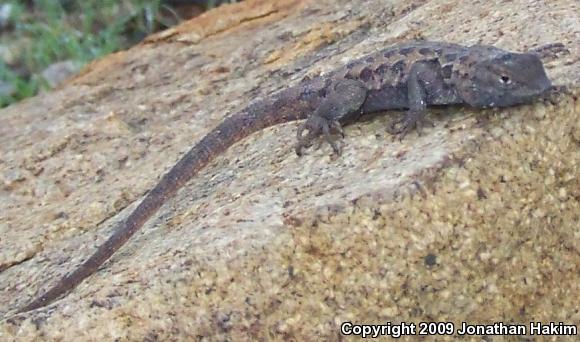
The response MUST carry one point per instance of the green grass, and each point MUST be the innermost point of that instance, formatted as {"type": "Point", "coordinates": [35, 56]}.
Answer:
{"type": "Point", "coordinates": [59, 30]}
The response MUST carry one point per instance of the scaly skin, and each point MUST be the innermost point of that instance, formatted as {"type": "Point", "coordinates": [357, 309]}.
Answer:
{"type": "Point", "coordinates": [408, 76]}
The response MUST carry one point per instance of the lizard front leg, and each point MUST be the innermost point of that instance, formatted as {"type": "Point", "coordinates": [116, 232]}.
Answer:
{"type": "Point", "coordinates": [343, 100]}
{"type": "Point", "coordinates": [551, 51]}
{"type": "Point", "coordinates": [425, 85]}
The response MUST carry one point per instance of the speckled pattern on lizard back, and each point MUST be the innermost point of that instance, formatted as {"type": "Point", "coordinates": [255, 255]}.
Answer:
{"type": "Point", "coordinates": [409, 76]}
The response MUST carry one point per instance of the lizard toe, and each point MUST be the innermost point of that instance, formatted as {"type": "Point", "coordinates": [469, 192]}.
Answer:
{"type": "Point", "coordinates": [411, 121]}
{"type": "Point", "coordinates": [316, 126]}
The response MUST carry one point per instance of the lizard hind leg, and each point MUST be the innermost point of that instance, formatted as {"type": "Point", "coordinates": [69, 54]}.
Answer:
{"type": "Point", "coordinates": [316, 125]}
{"type": "Point", "coordinates": [343, 101]}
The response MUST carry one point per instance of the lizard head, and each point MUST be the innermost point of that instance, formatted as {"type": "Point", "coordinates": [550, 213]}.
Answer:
{"type": "Point", "coordinates": [504, 80]}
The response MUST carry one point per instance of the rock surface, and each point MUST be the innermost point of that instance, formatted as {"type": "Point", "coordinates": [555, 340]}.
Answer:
{"type": "Point", "coordinates": [477, 220]}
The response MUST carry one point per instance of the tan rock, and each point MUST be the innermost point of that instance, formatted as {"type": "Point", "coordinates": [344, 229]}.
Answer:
{"type": "Point", "coordinates": [476, 220]}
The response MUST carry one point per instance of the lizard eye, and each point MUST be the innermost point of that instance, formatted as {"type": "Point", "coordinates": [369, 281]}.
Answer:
{"type": "Point", "coordinates": [505, 80]}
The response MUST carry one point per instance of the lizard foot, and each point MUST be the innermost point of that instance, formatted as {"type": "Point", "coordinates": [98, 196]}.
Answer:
{"type": "Point", "coordinates": [554, 93]}
{"type": "Point", "coordinates": [550, 51]}
{"type": "Point", "coordinates": [315, 125]}
{"type": "Point", "coordinates": [412, 120]}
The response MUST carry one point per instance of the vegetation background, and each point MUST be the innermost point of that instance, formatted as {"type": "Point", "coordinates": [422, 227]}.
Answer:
{"type": "Point", "coordinates": [44, 42]}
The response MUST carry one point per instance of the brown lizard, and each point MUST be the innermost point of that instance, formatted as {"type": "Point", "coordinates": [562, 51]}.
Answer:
{"type": "Point", "coordinates": [410, 76]}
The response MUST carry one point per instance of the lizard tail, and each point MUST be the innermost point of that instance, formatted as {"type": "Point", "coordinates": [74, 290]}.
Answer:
{"type": "Point", "coordinates": [232, 129]}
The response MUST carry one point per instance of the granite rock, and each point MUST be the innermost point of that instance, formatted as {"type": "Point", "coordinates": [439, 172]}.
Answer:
{"type": "Point", "coordinates": [476, 220]}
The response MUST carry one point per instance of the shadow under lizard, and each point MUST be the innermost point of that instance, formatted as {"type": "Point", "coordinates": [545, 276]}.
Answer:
{"type": "Point", "coordinates": [410, 76]}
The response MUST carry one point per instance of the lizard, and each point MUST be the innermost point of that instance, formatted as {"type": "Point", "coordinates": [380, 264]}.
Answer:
{"type": "Point", "coordinates": [411, 76]}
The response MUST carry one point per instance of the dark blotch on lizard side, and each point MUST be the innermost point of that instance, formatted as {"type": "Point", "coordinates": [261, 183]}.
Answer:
{"type": "Point", "coordinates": [382, 68]}
{"type": "Point", "coordinates": [406, 51]}
{"type": "Point", "coordinates": [389, 53]}
{"type": "Point", "coordinates": [398, 67]}
{"type": "Point", "coordinates": [450, 57]}
{"type": "Point", "coordinates": [366, 74]}
{"type": "Point", "coordinates": [425, 51]}
{"type": "Point", "coordinates": [446, 71]}
{"type": "Point", "coordinates": [350, 76]}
